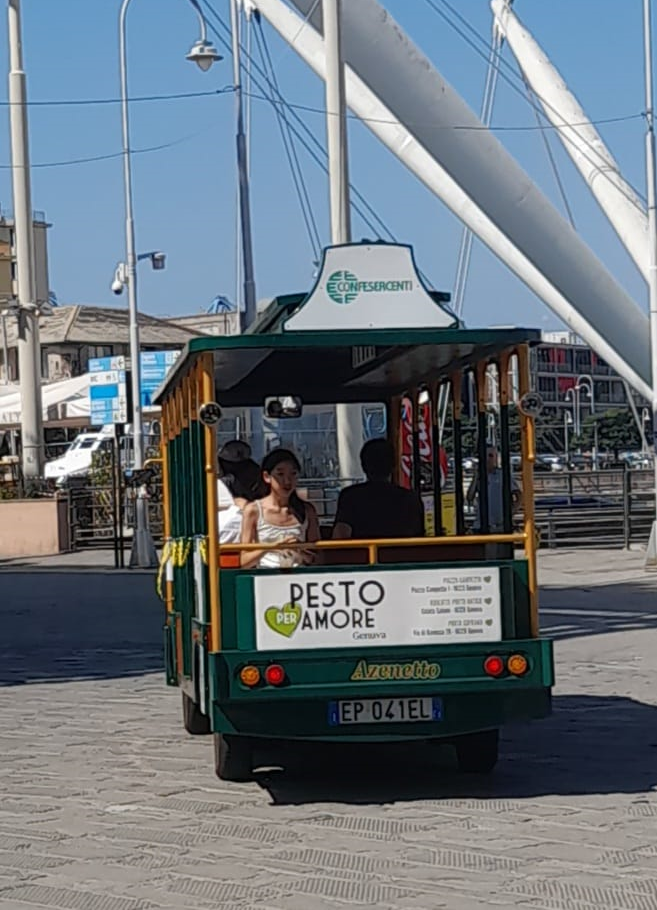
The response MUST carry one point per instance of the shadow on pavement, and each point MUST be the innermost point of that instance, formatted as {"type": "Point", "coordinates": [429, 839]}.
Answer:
{"type": "Point", "coordinates": [573, 612]}
{"type": "Point", "coordinates": [64, 626]}
{"type": "Point", "coordinates": [590, 745]}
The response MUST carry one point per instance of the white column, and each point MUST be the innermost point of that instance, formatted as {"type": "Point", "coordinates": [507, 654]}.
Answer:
{"type": "Point", "coordinates": [348, 418]}
{"type": "Point", "coordinates": [29, 348]}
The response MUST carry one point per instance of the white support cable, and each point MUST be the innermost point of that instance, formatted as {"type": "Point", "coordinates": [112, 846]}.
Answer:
{"type": "Point", "coordinates": [575, 128]}
{"type": "Point", "coordinates": [550, 155]}
{"type": "Point", "coordinates": [467, 236]}
{"type": "Point", "coordinates": [382, 228]}
{"type": "Point", "coordinates": [290, 151]}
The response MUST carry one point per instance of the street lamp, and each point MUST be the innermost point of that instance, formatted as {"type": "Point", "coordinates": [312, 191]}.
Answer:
{"type": "Point", "coordinates": [585, 381]}
{"type": "Point", "coordinates": [567, 419]}
{"type": "Point", "coordinates": [204, 55]}
{"type": "Point", "coordinates": [572, 395]}
{"type": "Point", "coordinates": [158, 262]}
{"type": "Point", "coordinates": [646, 420]}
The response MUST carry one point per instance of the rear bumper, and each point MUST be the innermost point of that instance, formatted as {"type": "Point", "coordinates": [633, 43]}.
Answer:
{"type": "Point", "coordinates": [471, 701]}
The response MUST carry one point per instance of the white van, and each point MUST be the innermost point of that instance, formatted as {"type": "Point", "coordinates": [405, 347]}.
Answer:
{"type": "Point", "coordinates": [76, 460]}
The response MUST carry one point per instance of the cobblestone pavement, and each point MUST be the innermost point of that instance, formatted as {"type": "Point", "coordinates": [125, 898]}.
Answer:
{"type": "Point", "coordinates": [106, 804]}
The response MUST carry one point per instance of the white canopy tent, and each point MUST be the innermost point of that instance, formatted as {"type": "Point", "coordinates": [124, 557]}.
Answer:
{"type": "Point", "coordinates": [61, 400]}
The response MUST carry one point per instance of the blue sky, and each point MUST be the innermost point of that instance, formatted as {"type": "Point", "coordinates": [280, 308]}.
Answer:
{"type": "Point", "coordinates": [185, 194]}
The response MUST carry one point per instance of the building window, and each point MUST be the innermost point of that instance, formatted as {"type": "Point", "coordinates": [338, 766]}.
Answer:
{"type": "Point", "coordinates": [100, 350]}
{"type": "Point", "coordinates": [547, 388]}
{"type": "Point", "coordinates": [583, 361]}
{"type": "Point", "coordinates": [618, 395]}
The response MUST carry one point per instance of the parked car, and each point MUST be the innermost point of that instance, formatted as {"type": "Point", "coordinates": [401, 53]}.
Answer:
{"type": "Point", "coordinates": [549, 462]}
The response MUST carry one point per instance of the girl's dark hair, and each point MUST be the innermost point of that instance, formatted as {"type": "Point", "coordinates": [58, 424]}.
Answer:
{"type": "Point", "coordinates": [243, 480]}
{"type": "Point", "coordinates": [281, 456]}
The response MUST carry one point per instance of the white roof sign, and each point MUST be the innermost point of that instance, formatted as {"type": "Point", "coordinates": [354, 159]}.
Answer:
{"type": "Point", "coordinates": [369, 286]}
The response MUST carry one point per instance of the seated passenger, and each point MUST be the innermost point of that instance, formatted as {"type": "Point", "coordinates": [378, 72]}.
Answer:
{"type": "Point", "coordinates": [378, 508]}
{"type": "Point", "coordinates": [230, 456]}
{"type": "Point", "coordinates": [243, 485]}
{"type": "Point", "coordinates": [280, 517]}
{"type": "Point", "coordinates": [495, 493]}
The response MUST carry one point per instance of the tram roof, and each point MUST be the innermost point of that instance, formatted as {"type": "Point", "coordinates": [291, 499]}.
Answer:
{"type": "Point", "coordinates": [323, 367]}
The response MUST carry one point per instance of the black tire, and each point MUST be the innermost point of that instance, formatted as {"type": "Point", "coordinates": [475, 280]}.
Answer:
{"type": "Point", "coordinates": [233, 757]}
{"type": "Point", "coordinates": [195, 722]}
{"type": "Point", "coordinates": [477, 753]}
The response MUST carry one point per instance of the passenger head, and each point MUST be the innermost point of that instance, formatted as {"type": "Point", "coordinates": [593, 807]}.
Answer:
{"type": "Point", "coordinates": [232, 453]}
{"type": "Point", "coordinates": [377, 458]}
{"type": "Point", "coordinates": [244, 481]}
{"type": "Point", "coordinates": [491, 459]}
{"type": "Point", "coordinates": [280, 471]}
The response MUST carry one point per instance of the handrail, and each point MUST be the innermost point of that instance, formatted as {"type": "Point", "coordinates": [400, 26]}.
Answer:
{"type": "Point", "coordinates": [373, 545]}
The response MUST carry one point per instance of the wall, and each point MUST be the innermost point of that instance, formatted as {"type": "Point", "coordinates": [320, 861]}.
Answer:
{"type": "Point", "coordinates": [33, 527]}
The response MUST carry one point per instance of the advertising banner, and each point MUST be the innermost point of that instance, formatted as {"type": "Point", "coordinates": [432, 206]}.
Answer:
{"type": "Point", "coordinates": [362, 609]}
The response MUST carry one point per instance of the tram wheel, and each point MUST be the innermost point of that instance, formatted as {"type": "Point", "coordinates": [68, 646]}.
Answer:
{"type": "Point", "coordinates": [477, 753]}
{"type": "Point", "coordinates": [196, 723]}
{"type": "Point", "coordinates": [233, 757]}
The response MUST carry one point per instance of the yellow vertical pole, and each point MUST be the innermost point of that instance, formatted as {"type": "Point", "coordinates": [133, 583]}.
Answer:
{"type": "Point", "coordinates": [528, 459]}
{"type": "Point", "coordinates": [206, 376]}
{"type": "Point", "coordinates": [166, 497]}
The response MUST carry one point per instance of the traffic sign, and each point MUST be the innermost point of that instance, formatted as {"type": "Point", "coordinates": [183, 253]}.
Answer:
{"type": "Point", "coordinates": [154, 368]}
{"type": "Point", "coordinates": [108, 391]}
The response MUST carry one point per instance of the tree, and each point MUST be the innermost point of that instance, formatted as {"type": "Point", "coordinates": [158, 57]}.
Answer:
{"type": "Point", "coordinates": [617, 430]}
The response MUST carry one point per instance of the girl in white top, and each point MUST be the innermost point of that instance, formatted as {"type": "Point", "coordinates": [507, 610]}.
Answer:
{"type": "Point", "coordinates": [280, 517]}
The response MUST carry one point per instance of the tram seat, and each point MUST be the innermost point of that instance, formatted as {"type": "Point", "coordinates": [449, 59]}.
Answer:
{"type": "Point", "coordinates": [229, 560]}
{"type": "Point", "coordinates": [436, 553]}
{"type": "Point", "coordinates": [358, 556]}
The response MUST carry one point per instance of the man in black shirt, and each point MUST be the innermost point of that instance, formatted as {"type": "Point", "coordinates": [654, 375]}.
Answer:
{"type": "Point", "coordinates": [378, 508]}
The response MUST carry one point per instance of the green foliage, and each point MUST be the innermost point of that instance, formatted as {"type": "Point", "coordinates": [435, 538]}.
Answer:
{"type": "Point", "coordinates": [617, 430]}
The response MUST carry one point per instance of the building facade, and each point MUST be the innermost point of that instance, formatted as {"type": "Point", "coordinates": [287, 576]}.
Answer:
{"type": "Point", "coordinates": [8, 286]}
{"type": "Point", "coordinates": [562, 362]}
{"type": "Point", "coordinates": [72, 335]}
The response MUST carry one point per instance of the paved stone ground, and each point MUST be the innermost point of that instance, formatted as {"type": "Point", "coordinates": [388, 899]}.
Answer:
{"type": "Point", "coordinates": [106, 804]}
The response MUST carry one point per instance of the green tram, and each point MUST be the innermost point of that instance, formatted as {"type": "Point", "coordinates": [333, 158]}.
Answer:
{"type": "Point", "coordinates": [382, 640]}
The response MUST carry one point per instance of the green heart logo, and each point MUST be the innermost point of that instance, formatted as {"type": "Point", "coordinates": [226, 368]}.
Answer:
{"type": "Point", "coordinates": [283, 620]}
{"type": "Point", "coordinates": [487, 578]}
{"type": "Point", "coordinates": [488, 600]}
{"type": "Point", "coordinates": [489, 622]}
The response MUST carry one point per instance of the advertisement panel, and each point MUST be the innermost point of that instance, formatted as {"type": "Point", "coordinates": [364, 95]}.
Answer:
{"type": "Point", "coordinates": [364, 609]}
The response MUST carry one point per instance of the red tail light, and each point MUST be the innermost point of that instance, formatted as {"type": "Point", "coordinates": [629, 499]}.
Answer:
{"type": "Point", "coordinates": [494, 665]}
{"type": "Point", "coordinates": [274, 675]}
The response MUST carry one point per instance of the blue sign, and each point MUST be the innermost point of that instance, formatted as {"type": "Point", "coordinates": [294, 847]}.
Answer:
{"type": "Point", "coordinates": [108, 393]}
{"type": "Point", "coordinates": [154, 368]}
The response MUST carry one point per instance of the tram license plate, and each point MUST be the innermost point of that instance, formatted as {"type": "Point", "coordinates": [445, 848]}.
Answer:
{"type": "Point", "coordinates": [385, 710]}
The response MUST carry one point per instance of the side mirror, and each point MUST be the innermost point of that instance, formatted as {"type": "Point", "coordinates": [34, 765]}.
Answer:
{"type": "Point", "coordinates": [283, 408]}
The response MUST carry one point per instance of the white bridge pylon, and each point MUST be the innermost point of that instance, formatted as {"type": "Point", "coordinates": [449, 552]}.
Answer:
{"type": "Point", "coordinates": [407, 104]}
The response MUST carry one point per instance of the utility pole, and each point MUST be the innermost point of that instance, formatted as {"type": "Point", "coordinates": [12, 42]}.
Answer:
{"type": "Point", "coordinates": [651, 554]}
{"type": "Point", "coordinates": [249, 314]}
{"type": "Point", "coordinates": [348, 417]}
{"type": "Point", "coordinates": [29, 348]}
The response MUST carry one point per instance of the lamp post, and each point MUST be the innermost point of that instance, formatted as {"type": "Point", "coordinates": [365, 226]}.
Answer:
{"type": "Point", "coordinates": [29, 349]}
{"type": "Point", "coordinates": [567, 419]}
{"type": "Point", "coordinates": [645, 422]}
{"type": "Point", "coordinates": [572, 395]}
{"type": "Point", "coordinates": [651, 187]}
{"type": "Point", "coordinates": [585, 381]}
{"type": "Point", "coordinates": [204, 55]}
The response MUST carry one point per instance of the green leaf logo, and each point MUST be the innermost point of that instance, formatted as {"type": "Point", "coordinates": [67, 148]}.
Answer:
{"type": "Point", "coordinates": [489, 622]}
{"type": "Point", "coordinates": [488, 600]}
{"type": "Point", "coordinates": [487, 578]}
{"type": "Point", "coordinates": [283, 620]}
